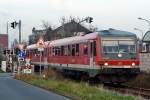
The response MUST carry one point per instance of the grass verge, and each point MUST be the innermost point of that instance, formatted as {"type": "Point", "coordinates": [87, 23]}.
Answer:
{"type": "Point", "coordinates": [1, 71]}
{"type": "Point", "coordinates": [75, 90]}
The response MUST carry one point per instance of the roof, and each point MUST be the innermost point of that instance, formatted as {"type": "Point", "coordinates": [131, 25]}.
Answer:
{"type": "Point", "coordinates": [146, 37]}
{"type": "Point", "coordinates": [115, 33]}
{"type": "Point", "coordinates": [66, 30]}
{"type": "Point", "coordinates": [72, 26]}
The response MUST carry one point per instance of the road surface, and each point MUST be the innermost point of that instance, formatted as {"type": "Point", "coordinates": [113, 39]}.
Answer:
{"type": "Point", "coordinates": [11, 89]}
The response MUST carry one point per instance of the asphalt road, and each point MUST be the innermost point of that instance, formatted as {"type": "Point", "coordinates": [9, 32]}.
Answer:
{"type": "Point", "coordinates": [11, 89]}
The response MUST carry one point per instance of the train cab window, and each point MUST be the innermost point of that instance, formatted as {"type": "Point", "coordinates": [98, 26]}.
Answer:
{"type": "Point", "coordinates": [69, 50]}
{"type": "Point", "coordinates": [85, 49]}
{"type": "Point", "coordinates": [77, 49]}
{"type": "Point", "coordinates": [73, 50]}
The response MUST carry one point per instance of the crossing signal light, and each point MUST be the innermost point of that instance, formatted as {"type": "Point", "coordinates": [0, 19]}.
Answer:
{"type": "Point", "coordinates": [14, 24]}
{"type": "Point", "coordinates": [4, 52]}
{"type": "Point", "coordinates": [7, 52]}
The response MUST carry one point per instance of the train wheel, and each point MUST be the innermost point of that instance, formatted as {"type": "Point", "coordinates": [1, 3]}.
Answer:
{"type": "Point", "coordinates": [84, 77]}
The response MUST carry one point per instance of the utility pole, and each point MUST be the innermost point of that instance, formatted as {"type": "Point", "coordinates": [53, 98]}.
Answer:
{"type": "Point", "coordinates": [7, 28]}
{"type": "Point", "coordinates": [13, 25]}
{"type": "Point", "coordinates": [19, 31]}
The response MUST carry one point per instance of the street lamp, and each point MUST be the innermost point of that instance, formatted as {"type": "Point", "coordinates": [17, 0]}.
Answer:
{"type": "Point", "coordinates": [146, 21]}
{"type": "Point", "coordinates": [149, 27]}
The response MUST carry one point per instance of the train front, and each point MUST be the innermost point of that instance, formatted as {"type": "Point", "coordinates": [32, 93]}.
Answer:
{"type": "Point", "coordinates": [119, 56]}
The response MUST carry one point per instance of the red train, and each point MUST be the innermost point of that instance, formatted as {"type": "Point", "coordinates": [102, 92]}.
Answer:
{"type": "Point", "coordinates": [108, 55]}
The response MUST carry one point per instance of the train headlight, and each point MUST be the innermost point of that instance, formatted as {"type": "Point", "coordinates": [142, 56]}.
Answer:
{"type": "Point", "coordinates": [106, 64]}
{"type": "Point", "coordinates": [133, 64]}
{"type": "Point", "coordinates": [119, 55]}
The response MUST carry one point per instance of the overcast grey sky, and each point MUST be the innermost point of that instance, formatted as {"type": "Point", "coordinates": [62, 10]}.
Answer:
{"type": "Point", "coordinates": [118, 14]}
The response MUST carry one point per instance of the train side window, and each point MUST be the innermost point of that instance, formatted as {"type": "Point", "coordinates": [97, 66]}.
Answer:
{"type": "Point", "coordinates": [95, 54]}
{"type": "Point", "coordinates": [30, 52]}
{"type": "Point", "coordinates": [42, 53]}
{"type": "Point", "coordinates": [53, 51]}
{"type": "Point", "coordinates": [62, 50]}
{"type": "Point", "coordinates": [45, 52]}
{"type": "Point", "coordinates": [69, 50]}
{"type": "Point", "coordinates": [35, 52]}
{"type": "Point", "coordinates": [59, 51]}
{"type": "Point", "coordinates": [73, 50]}
{"type": "Point", "coordinates": [56, 51]}
{"type": "Point", "coordinates": [85, 49]}
{"type": "Point", "coordinates": [77, 49]}
{"type": "Point", "coordinates": [65, 50]}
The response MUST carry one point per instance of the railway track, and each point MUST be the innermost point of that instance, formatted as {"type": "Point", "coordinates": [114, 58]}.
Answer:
{"type": "Point", "coordinates": [145, 93]}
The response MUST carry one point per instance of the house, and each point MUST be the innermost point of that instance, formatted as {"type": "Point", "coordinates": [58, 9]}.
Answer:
{"type": "Point", "coordinates": [3, 41]}
{"type": "Point", "coordinates": [66, 30]}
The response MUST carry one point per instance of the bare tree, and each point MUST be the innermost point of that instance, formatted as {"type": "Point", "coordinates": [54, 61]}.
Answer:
{"type": "Point", "coordinates": [93, 28]}
{"type": "Point", "coordinates": [46, 25]}
{"type": "Point", "coordinates": [63, 20]}
{"type": "Point", "coordinates": [48, 28]}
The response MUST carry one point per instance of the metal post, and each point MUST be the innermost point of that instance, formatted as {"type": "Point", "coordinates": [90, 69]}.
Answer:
{"type": "Point", "coordinates": [19, 31]}
{"type": "Point", "coordinates": [7, 28]}
{"type": "Point", "coordinates": [40, 61]}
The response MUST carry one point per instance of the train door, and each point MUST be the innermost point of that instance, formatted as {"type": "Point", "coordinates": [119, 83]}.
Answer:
{"type": "Point", "coordinates": [91, 53]}
{"type": "Point", "coordinates": [73, 53]}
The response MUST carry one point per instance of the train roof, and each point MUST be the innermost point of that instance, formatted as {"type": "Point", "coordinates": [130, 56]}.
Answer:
{"type": "Point", "coordinates": [67, 41]}
{"type": "Point", "coordinates": [34, 46]}
{"type": "Point", "coordinates": [81, 39]}
{"type": "Point", "coordinates": [115, 33]}
{"type": "Point", "coordinates": [74, 40]}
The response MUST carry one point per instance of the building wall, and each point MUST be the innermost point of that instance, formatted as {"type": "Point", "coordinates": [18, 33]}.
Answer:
{"type": "Point", "coordinates": [4, 40]}
{"type": "Point", "coordinates": [145, 62]}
